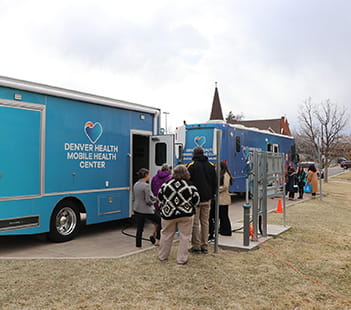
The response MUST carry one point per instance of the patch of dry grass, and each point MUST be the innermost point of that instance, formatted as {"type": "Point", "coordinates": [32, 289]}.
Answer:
{"type": "Point", "coordinates": [318, 244]}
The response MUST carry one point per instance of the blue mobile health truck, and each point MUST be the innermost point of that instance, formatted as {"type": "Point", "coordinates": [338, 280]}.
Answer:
{"type": "Point", "coordinates": [68, 156]}
{"type": "Point", "coordinates": [237, 141]}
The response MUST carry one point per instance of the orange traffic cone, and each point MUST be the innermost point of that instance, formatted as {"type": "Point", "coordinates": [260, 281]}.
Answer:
{"type": "Point", "coordinates": [279, 207]}
{"type": "Point", "coordinates": [251, 232]}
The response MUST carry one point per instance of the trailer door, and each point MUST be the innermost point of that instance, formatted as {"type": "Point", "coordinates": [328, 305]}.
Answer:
{"type": "Point", "coordinates": [161, 152]}
{"type": "Point", "coordinates": [20, 149]}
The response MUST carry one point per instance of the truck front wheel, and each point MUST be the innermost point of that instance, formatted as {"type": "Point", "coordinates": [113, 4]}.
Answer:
{"type": "Point", "coordinates": [65, 222]}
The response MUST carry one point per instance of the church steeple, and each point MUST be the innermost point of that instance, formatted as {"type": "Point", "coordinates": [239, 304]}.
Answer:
{"type": "Point", "coordinates": [216, 112]}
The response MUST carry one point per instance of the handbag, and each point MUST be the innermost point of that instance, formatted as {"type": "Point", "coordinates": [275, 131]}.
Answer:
{"type": "Point", "coordinates": [308, 188]}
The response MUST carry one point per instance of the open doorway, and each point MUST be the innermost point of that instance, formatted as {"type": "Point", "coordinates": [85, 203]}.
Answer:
{"type": "Point", "coordinates": [140, 151]}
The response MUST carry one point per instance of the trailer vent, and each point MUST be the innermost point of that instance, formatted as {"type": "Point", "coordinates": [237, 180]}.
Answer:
{"type": "Point", "coordinates": [19, 223]}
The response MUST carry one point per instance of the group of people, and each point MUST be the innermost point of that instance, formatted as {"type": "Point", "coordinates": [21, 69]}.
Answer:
{"type": "Point", "coordinates": [182, 201]}
{"type": "Point", "coordinates": [296, 181]}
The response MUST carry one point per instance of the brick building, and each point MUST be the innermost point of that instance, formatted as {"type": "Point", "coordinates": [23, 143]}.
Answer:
{"type": "Point", "coordinates": [277, 125]}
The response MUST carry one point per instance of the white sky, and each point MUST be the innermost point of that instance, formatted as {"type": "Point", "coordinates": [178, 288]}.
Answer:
{"type": "Point", "coordinates": [268, 56]}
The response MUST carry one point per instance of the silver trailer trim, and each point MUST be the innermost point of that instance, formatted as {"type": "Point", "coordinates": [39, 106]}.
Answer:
{"type": "Point", "coordinates": [76, 95]}
{"type": "Point", "coordinates": [64, 193]}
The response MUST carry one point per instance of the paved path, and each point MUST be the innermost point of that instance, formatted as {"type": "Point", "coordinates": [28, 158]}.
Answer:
{"type": "Point", "coordinates": [102, 240]}
{"type": "Point", "coordinates": [333, 171]}
{"type": "Point", "coordinates": [94, 241]}
{"type": "Point", "coordinates": [340, 182]}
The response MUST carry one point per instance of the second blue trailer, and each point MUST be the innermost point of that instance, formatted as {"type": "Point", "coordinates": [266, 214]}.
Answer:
{"type": "Point", "coordinates": [237, 141]}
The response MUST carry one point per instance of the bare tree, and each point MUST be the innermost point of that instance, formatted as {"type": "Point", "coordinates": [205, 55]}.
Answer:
{"type": "Point", "coordinates": [343, 147]}
{"type": "Point", "coordinates": [303, 146]}
{"type": "Point", "coordinates": [231, 118]}
{"type": "Point", "coordinates": [321, 126]}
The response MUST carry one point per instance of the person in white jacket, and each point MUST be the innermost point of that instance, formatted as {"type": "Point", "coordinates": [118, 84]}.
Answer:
{"type": "Point", "coordinates": [225, 227]}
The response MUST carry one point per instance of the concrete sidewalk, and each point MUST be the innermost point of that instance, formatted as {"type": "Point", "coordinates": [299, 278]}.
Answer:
{"type": "Point", "coordinates": [104, 240]}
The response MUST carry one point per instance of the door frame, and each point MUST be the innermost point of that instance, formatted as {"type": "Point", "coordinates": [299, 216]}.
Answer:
{"type": "Point", "coordinates": [134, 132]}
{"type": "Point", "coordinates": [169, 140]}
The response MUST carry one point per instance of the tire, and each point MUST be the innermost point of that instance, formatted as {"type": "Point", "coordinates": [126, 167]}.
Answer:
{"type": "Point", "coordinates": [65, 222]}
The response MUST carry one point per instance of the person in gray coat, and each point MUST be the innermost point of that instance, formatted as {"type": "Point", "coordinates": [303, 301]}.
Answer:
{"type": "Point", "coordinates": [143, 205]}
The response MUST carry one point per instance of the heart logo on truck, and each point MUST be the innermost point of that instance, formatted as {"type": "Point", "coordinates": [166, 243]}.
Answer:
{"type": "Point", "coordinates": [200, 141]}
{"type": "Point", "coordinates": [93, 131]}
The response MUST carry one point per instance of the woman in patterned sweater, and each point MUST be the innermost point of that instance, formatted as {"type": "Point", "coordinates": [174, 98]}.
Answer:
{"type": "Point", "coordinates": [178, 200]}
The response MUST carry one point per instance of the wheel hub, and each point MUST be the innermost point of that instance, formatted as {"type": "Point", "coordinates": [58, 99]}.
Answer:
{"type": "Point", "coordinates": [66, 221]}
{"type": "Point", "coordinates": [63, 220]}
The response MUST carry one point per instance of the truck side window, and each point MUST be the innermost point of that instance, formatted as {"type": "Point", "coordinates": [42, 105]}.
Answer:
{"type": "Point", "coordinates": [160, 153]}
{"type": "Point", "coordinates": [276, 148]}
{"type": "Point", "coordinates": [179, 153]}
{"type": "Point", "coordinates": [237, 144]}
{"type": "Point", "coordinates": [270, 147]}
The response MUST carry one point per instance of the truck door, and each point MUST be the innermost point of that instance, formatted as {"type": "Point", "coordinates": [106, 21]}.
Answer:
{"type": "Point", "coordinates": [20, 149]}
{"type": "Point", "coordinates": [161, 152]}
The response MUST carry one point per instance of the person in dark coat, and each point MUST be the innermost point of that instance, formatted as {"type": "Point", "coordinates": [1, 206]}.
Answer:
{"type": "Point", "coordinates": [292, 186]}
{"type": "Point", "coordinates": [203, 176]}
{"type": "Point", "coordinates": [301, 181]}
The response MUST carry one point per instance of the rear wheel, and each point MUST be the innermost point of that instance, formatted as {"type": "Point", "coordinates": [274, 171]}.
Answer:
{"type": "Point", "coordinates": [65, 222]}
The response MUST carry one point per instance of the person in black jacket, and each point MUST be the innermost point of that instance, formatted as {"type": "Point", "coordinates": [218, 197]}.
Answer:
{"type": "Point", "coordinates": [301, 181]}
{"type": "Point", "coordinates": [203, 176]}
{"type": "Point", "coordinates": [291, 185]}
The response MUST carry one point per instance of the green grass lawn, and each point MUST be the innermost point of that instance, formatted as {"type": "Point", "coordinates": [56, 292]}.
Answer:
{"type": "Point", "coordinates": [318, 245]}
